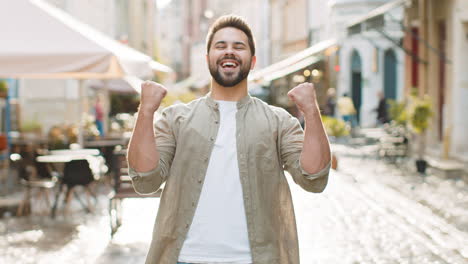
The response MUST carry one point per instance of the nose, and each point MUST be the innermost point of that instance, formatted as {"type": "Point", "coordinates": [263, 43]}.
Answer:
{"type": "Point", "coordinates": [229, 50]}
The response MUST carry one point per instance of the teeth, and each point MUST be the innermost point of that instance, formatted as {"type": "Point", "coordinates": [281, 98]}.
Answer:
{"type": "Point", "coordinates": [230, 64]}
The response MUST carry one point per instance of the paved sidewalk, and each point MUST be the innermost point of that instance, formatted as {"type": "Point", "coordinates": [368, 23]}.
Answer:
{"type": "Point", "coordinates": [370, 212]}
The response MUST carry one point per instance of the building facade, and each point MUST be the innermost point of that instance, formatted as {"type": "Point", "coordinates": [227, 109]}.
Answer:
{"type": "Point", "coordinates": [438, 35]}
{"type": "Point", "coordinates": [371, 60]}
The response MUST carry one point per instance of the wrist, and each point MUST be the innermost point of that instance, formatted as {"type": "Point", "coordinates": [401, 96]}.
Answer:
{"type": "Point", "coordinates": [143, 111]}
{"type": "Point", "coordinates": [311, 113]}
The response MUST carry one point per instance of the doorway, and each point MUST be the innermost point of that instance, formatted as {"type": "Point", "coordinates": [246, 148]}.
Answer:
{"type": "Point", "coordinates": [390, 75]}
{"type": "Point", "coordinates": [356, 83]}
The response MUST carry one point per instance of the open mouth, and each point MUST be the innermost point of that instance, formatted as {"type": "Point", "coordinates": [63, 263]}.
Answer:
{"type": "Point", "coordinates": [229, 64]}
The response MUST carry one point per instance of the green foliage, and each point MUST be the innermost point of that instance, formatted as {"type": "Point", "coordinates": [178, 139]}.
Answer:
{"type": "Point", "coordinates": [420, 114]}
{"type": "Point", "coordinates": [3, 86]}
{"type": "Point", "coordinates": [397, 112]}
{"type": "Point", "coordinates": [335, 127]}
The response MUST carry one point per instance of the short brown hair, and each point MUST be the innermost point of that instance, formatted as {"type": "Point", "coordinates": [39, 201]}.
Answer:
{"type": "Point", "coordinates": [230, 21]}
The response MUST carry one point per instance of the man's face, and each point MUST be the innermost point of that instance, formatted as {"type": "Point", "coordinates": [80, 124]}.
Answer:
{"type": "Point", "coordinates": [229, 58]}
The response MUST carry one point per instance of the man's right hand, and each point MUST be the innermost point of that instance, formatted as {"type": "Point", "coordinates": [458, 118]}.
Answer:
{"type": "Point", "coordinates": [152, 94]}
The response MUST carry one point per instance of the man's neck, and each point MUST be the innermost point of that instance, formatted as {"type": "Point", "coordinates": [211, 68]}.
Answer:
{"type": "Point", "coordinates": [234, 93]}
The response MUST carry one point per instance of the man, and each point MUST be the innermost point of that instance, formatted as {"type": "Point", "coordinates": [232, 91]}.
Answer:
{"type": "Point", "coordinates": [226, 199]}
{"type": "Point", "coordinates": [382, 115]}
{"type": "Point", "coordinates": [330, 103]}
{"type": "Point", "coordinates": [99, 116]}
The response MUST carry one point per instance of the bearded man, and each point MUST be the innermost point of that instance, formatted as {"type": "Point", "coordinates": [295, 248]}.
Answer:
{"type": "Point", "coordinates": [222, 159]}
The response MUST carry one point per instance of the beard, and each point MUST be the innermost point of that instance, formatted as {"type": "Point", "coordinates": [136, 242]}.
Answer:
{"type": "Point", "coordinates": [229, 79]}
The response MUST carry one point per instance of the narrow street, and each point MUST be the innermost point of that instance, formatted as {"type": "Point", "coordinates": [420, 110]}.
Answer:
{"type": "Point", "coordinates": [371, 212]}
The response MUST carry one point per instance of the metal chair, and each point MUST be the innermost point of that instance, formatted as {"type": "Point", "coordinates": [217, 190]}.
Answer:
{"type": "Point", "coordinates": [37, 180]}
{"type": "Point", "coordinates": [75, 173]}
{"type": "Point", "coordinates": [123, 189]}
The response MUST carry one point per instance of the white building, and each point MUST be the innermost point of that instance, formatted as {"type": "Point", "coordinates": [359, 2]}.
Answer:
{"type": "Point", "coordinates": [370, 61]}
{"type": "Point", "coordinates": [170, 36]}
{"type": "Point", "coordinates": [456, 121]}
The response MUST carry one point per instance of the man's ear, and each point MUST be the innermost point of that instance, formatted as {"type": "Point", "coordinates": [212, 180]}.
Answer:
{"type": "Point", "coordinates": [254, 61]}
{"type": "Point", "coordinates": [207, 60]}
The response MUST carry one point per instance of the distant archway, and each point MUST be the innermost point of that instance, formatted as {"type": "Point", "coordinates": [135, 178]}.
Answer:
{"type": "Point", "coordinates": [390, 74]}
{"type": "Point", "coordinates": [356, 82]}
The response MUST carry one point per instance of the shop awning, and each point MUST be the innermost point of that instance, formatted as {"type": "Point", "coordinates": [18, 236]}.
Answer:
{"type": "Point", "coordinates": [375, 18]}
{"type": "Point", "coordinates": [293, 63]}
{"type": "Point", "coordinates": [41, 41]}
{"type": "Point", "coordinates": [293, 68]}
{"type": "Point", "coordinates": [120, 86]}
{"type": "Point", "coordinates": [375, 21]}
{"type": "Point", "coordinates": [193, 81]}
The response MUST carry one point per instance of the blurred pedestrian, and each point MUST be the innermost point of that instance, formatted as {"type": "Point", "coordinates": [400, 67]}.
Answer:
{"type": "Point", "coordinates": [99, 116]}
{"type": "Point", "coordinates": [347, 110]}
{"type": "Point", "coordinates": [330, 103]}
{"type": "Point", "coordinates": [382, 113]}
{"type": "Point", "coordinates": [226, 199]}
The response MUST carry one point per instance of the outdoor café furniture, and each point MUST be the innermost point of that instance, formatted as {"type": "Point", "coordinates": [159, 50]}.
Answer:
{"type": "Point", "coordinates": [123, 189]}
{"type": "Point", "coordinates": [393, 147]}
{"type": "Point", "coordinates": [107, 146]}
{"type": "Point", "coordinates": [79, 170]}
{"type": "Point", "coordinates": [93, 152]}
{"type": "Point", "coordinates": [37, 187]}
{"type": "Point", "coordinates": [76, 173]}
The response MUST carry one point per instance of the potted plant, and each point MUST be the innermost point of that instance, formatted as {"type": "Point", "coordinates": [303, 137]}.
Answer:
{"type": "Point", "coordinates": [419, 118]}
{"type": "Point", "coordinates": [398, 125]}
{"type": "Point", "coordinates": [397, 112]}
{"type": "Point", "coordinates": [336, 130]}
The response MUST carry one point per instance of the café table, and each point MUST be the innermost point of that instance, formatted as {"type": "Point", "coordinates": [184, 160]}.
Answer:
{"type": "Point", "coordinates": [93, 152]}
{"type": "Point", "coordinates": [107, 147]}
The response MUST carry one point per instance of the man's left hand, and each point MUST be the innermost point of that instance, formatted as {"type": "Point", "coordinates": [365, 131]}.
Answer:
{"type": "Point", "coordinates": [304, 97]}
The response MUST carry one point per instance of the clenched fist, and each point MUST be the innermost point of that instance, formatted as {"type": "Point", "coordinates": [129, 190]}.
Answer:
{"type": "Point", "coordinates": [152, 94]}
{"type": "Point", "coordinates": [304, 97]}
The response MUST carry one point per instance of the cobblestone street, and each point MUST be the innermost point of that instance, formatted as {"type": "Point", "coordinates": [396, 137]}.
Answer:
{"type": "Point", "coordinates": [371, 212]}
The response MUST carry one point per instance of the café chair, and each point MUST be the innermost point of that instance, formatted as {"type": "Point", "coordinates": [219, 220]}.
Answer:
{"type": "Point", "coordinates": [77, 173]}
{"type": "Point", "coordinates": [37, 180]}
{"type": "Point", "coordinates": [123, 189]}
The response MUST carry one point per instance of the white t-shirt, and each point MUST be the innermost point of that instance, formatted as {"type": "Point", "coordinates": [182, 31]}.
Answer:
{"type": "Point", "coordinates": [218, 233]}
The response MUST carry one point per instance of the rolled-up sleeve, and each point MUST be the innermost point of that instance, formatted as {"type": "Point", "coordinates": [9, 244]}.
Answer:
{"type": "Point", "coordinates": [150, 181]}
{"type": "Point", "coordinates": [291, 138]}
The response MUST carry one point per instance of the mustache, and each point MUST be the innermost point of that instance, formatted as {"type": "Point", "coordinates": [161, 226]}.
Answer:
{"type": "Point", "coordinates": [229, 57]}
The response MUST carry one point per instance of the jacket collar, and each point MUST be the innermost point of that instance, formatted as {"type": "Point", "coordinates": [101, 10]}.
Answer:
{"type": "Point", "coordinates": [241, 103]}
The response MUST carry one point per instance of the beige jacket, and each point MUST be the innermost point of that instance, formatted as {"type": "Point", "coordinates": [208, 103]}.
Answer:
{"type": "Point", "coordinates": [268, 138]}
